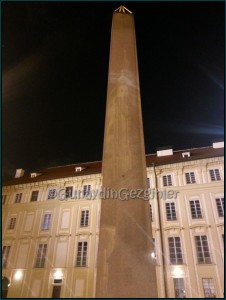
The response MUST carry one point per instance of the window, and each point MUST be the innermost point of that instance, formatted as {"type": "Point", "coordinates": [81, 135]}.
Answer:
{"type": "Point", "coordinates": [190, 177]}
{"type": "Point", "coordinates": [170, 211]}
{"type": "Point", "coordinates": [215, 174]}
{"type": "Point", "coordinates": [41, 256]}
{"type": "Point", "coordinates": [175, 250]}
{"type": "Point", "coordinates": [149, 183]}
{"type": "Point", "coordinates": [84, 222]}
{"type": "Point", "coordinates": [202, 249]}
{"type": "Point", "coordinates": [167, 180]}
{"type": "Point", "coordinates": [208, 288]}
{"type": "Point", "coordinates": [18, 198]}
{"type": "Point", "coordinates": [220, 206]}
{"type": "Point", "coordinates": [34, 196]}
{"type": "Point", "coordinates": [196, 212]}
{"type": "Point", "coordinates": [5, 255]}
{"type": "Point", "coordinates": [86, 190]}
{"type": "Point", "coordinates": [150, 210]}
{"type": "Point", "coordinates": [186, 154]}
{"type": "Point", "coordinates": [52, 194]}
{"type": "Point", "coordinates": [179, 287]}
{"type": "Point", "coordinates": [4, 199]}
{"type": "Point", "coordinates": [12, 223]}
{"type": "Point", "coordinates": [56, 288]}
{"type": "Point", "coordinates": [46, 221]}
{"type": "Point", "coordinates": [68, 191]}
{"type": "Point", "coordinates": [81, 254]}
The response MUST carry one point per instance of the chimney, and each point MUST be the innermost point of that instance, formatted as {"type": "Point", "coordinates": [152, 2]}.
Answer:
{"type": "Point", "coordinates": [19, 173]}
{"type": "Point", "coordinates": [218, 144]}
{"type": "Point", "coordinates": [165, 151]}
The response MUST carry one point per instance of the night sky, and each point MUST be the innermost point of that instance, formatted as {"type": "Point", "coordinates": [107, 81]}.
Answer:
{"type": "Point", "coordinates": [55, 68]}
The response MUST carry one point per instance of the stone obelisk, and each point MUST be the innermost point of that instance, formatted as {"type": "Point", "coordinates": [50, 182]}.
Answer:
{"type": "Point", "coordinates": [125, 268]}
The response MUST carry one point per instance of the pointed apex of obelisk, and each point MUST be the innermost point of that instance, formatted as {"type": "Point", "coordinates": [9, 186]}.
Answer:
{"type": "Point", "coordinates": [122, 9]}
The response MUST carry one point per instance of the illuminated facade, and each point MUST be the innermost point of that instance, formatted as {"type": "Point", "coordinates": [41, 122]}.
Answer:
{"type": "Point", "coordinates": [50, 245]}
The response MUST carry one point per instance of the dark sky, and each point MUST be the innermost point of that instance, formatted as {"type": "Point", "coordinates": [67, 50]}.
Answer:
{"type": "Point", "coordinates": [55, 67]}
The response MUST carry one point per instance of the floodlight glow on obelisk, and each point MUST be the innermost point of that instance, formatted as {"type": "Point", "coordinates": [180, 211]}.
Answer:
{"type": "Point", "coordinates": [125, 268]}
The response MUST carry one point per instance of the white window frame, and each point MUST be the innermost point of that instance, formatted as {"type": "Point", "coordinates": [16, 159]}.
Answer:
{"type": "Point", "coordinates": [82, 254]}
{"type": "Point", "coordinates": [46, 221]}
{"type": "Point", "coordinates": [41, 256]}
{"type": "Point", "coordinates": [196, 209]}
{"type": "Point", "coordinates": [36, 193]}
{"type": "Point", "coordinates": [84, 219]}
{"type": "Point", "coordinates": [86, 190]}
{"type": "Point", "coordinates": [171, 214]}
{"type": "Point", "coordinates": [179, 287]}
{"type": "Point", "coordinates": [205, 256]}
{"type": "Point", "coordinates": [175, 248]}
{"type": "Point", "coordinates": [215, 174]}
{"type": "Point", "coordinates": [208, 288]}
{"type": "Point", "coordinates": [190, 177]}
{"type": "Point", "coordinates": [18, 197]}
{"type": "Point", "coordinates": [220, 206]}
{"type": "Point", "coordinates": [168, 179]}
{"type": "Point", "coordinates": [5, 255]}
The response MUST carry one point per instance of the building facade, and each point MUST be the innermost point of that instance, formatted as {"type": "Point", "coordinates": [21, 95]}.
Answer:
{"type": "Point", "coordinates": [51, 227]}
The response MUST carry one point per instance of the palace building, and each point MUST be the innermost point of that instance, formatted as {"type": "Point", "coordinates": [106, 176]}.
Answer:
{"type": "Point", "coordinates": [50, 236]}
{"type": "Point", "coordinates": [131, 226]}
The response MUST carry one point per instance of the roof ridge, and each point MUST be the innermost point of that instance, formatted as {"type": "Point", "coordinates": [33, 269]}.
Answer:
{"type": "Point", "coordinates": [75, 164]}
{"type": "Point", "coordinates": [182, 150]}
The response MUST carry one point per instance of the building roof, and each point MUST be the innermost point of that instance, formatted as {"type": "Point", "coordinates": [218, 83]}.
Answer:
{"type": "Point", "coordinates": [90, 168]}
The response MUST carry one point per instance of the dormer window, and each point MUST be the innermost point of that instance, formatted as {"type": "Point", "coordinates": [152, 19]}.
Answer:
{"type": "Point", "coordinates": [186, 154]}
{"type": "Point", "coordinates": [78, 169]}
{"type": "Point", "coordinates": [33, 175]}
